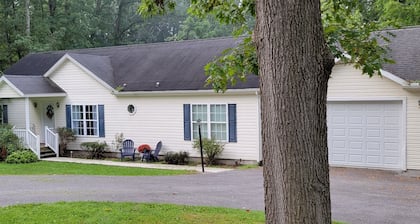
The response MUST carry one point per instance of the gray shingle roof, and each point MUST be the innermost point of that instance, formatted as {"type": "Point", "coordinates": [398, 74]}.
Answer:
{"type": "Point", "coordinates": [175, 65]}
{"type": "Point", "coordinates": [179, 65]}
{"type": "Point", "coordinates": [405, 52]}
{"type": "Point", "coordinates": [37, 84]}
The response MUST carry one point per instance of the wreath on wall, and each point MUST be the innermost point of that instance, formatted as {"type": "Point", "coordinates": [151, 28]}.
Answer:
{"type": "Point", "coordinates": [50, 111]}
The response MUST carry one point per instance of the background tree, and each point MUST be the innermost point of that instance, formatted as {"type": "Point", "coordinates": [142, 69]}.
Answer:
{"type": "Point", "coordinates": [44, 25]}
{"type": "Point", "coordinates": [401, 12]}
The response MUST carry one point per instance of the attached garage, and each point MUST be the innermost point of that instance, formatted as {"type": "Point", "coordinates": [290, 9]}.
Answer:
{"type": "Point", "coordinates": [366, 134]}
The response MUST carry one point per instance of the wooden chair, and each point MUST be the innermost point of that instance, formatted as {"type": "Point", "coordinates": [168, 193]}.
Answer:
{"type": "Point", "coordinates": [128, 149]}
{"type": "Point", "coordinates": [153, 155]}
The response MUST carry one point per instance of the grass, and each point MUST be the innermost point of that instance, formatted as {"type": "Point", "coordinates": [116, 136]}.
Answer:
{"type": "Point", "coordinates": [60, 168]}
{"type": "Point", "coordinates": [125, 212]}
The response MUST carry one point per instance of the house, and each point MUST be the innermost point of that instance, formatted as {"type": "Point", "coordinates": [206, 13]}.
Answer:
{"type": "Point", "coordinates": [147, 92]}
{"type": "Point", "coordinates": [155, 92]}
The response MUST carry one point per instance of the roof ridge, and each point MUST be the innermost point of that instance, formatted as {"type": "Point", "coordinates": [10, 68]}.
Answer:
{"type": "Point", "coordinates": [92, 49]}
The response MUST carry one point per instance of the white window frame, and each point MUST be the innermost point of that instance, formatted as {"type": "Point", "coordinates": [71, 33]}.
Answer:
{"type": "Point", "coordinates": [84, 120]}
{"type": "Point", "coordinates": [209, 122]}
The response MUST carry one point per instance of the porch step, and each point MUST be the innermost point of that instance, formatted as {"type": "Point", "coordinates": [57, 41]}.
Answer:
{"type": "Point", "coordinates": [47, 152]}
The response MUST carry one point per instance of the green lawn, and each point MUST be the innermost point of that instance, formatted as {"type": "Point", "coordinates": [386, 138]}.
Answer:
{"type": "Point", "coordinates": [126, 212]}
{"type": "Point", "coordinates": [118, 212]}
{"type": "Point", "coordinates": [51, 168]}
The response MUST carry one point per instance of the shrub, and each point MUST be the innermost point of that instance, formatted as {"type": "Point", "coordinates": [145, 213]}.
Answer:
{"type": "Point", "coordinates": [177, 158]}
{"type": "Point", "coordinates": [211, 149]}
{"type": "Point", "coordinates": [9, 142]}
{"type": "Point", "coordinates": [22, 156]}
{"type": "Point", "coordinates": [96, 150]}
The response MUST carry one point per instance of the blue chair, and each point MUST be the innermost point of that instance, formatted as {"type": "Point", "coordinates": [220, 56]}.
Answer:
{"type": "Point", "coordinates": [128, 149]}
{"type": "Point", "coordinates": [153, 155]}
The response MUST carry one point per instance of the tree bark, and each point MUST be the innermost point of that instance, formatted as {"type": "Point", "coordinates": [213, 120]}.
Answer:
{"type": "Point", "coordinates": [294, 67]}
{"type": "Point", "coordinates": [28, 17]}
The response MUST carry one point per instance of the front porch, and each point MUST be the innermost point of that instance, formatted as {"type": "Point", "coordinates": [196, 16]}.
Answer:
{"type": "Point", "coordinates": [33, 142]}
{"type": "Point", "coordinates": [34, 121]}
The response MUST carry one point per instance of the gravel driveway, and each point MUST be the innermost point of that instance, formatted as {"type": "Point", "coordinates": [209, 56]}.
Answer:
{"type": "Point", "coordinates": [358, 195]}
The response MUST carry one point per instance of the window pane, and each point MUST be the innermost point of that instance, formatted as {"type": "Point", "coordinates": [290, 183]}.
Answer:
{"type": "Point", "coordinates": [218, 113]}
{"type": "Point", "coordinates": [78, 127]}
{"type": "Point", "coordinates": [203, 131]}
{"type": "Point", "coordinates": [199, 111]}
{"type": "Point", "coordinates": [91, 128]}
{"type": "Point", "coordinates": [77, 112]}
{"type": "Point", "coordinates": [218, 131]}
{"type": "Point", "coordinates": [91, 112]}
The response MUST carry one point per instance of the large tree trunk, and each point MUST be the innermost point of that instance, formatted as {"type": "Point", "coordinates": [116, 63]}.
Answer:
{"type": "Point", "coordinates": [294, 67]}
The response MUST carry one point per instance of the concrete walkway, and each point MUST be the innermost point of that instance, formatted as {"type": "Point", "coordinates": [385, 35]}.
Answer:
{"type": "Point", "coordinates": [136, 164]}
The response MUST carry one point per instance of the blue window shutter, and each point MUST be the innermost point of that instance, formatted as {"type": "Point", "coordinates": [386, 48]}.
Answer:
{"type": "Point", "coordinates": [5, 115]}
{"type": "Point", "coordinates": [101, 115]}
{"type": "Point", "coordinates": [232, 122]}
{"type": "Point", "coordinates": [187, 122]}
{"type": "Point", "coordinates": [68, 116]}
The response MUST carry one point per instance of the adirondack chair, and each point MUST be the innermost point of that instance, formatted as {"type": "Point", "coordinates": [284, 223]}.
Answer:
{"type": "Point", "coordinates": [153, 155]}
{"type": "Point", "coordinates": [128, 149]}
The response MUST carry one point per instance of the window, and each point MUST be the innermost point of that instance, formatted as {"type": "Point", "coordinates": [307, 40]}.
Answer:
{"type": "Point", "coordinates": [85, 119]}
{"type": "Point", "coordinates": [131, 109]}
{"type": "Point", "coordinates": [213, 119]}
{"type": "Point", "coordinates": [3, 114]}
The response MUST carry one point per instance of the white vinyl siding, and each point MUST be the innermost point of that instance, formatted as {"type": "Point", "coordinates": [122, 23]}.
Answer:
{"type": "Point", "coordinates": [16, 112]}
{"type": "Point", "coordinates": [7, 92]}
{"type": "Point", "coordinates": [213, 120]}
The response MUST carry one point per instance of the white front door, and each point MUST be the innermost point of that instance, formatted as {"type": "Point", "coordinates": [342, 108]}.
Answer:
{"type": "Point", "coordinates": [48, 119]}
{"type": "Point", "coordinates": [365, 134]}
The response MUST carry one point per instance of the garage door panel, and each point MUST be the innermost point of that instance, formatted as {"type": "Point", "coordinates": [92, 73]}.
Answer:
{"type": "Point", "coordinates": [372, 159]}
{"type": "Point", "coordinates": [373, 132]}
{"type": "Point", "coordinates": [355, 132]}
{"type": "Point", "coordinates": [355, 120]}
{"type": "Point", "coordinates": [389, 160]}
{"type": "Point", "coordinates": [391, 133]}
{"type": "Point", "coordinates": [373, 146]}
{"type": "Point", "coordinates": [339, 157]}
{"type": "Point", "coordinates": [355, 158]}
{"type": "Point", "coordinates": [338, 120]}
{"type": "Point", "coordinates": [373, 120]}
{"type": "Point", "coordinates": [391, 120]}
{"type": "Point", "coordinates": [339, 132]}
{"type": "Point", "coordinates": [365, 134]}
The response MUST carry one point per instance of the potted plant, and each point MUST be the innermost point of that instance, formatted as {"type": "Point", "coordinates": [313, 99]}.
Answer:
{"type": "Point", "coordinates": [66, 135]}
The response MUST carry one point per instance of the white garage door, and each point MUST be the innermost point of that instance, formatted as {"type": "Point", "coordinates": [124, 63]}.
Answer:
{"type": "Point", "coordinates": [365, 134]}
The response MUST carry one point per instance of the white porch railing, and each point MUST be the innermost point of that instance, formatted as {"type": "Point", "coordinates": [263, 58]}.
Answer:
{"type": "Point", "coordinates": [30, 140]}
{"type": "Point", "coordinates": [51, 140]}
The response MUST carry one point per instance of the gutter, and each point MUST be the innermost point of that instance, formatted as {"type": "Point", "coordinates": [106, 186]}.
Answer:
{"type": "Point", "coordinates": [209, 92]}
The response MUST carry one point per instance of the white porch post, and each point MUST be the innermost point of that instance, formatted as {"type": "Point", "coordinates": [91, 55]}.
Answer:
{"type": "Point", "coordinates": [27, 122]}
